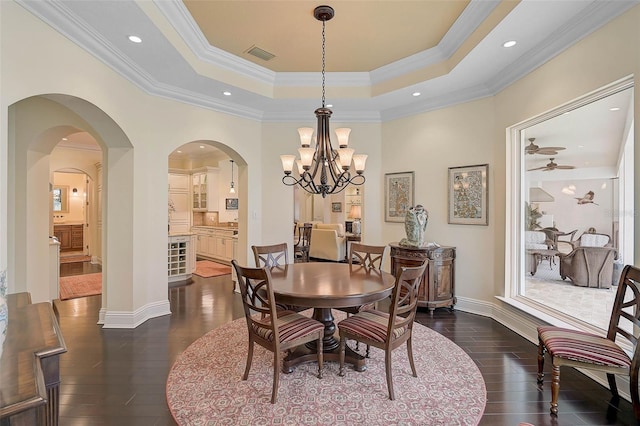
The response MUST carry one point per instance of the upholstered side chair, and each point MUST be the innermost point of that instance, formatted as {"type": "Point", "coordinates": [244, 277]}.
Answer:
{"type": "Point", "coordinates": [369, 257]}
{"type": "Point", "coordinates": [608, 354]}
{"type": "Point", "coordinates": [387, 331]}
{"type": "Point", "coordinates": [276, 330]}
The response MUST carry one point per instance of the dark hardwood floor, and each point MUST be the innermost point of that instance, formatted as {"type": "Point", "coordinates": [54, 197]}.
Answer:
{"type": "Point", "coordinates": [117, 377]}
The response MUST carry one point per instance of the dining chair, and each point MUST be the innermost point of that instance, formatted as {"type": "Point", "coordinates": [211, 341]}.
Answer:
{"type": "Point", "coordinates": [274, 256]}
{"type": "Point", "coordinates": [275, 330]}
{"type": "Point", "coordinates": [383, 330]}
{"type": "Point", "coordinates": [301, 248]}
{"type": "Point", "coordinates": [580, 349]}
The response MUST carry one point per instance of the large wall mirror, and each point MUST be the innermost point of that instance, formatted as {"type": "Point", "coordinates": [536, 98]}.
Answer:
{"type": "Point", "coordinates": [572, 208]}
{"type": "Point", "coordinates": [61, 199]}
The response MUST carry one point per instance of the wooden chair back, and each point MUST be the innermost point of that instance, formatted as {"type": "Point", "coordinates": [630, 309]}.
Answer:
{"type": "Point", "coordinates": [404, 299]}
{"type": "Point", "coordinates": [304, 242]}
{"type": "Point", "coordinates": [368, 256]}
{"type": "Point", "coordinates": [625, 317]}
{"type": "Point", "coordinates": [257, 297]}
{"type": "Point", "coordinates": [270, 256]}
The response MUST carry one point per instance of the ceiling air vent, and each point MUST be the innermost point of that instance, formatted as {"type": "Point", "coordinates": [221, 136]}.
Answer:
{"type": "Point", "coordinates": [260, 53]}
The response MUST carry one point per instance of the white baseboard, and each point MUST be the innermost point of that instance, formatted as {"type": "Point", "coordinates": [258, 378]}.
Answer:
{"type": "Point", "coordinates": [526, 326]}
{"type": "Point", "coordinates": [124, 319]}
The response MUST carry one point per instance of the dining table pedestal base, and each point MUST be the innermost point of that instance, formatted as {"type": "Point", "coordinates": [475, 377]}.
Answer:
{"type": "Point", "coordinates": [330, 347]}
{"type": "Point", "coordinates": [303, 354]}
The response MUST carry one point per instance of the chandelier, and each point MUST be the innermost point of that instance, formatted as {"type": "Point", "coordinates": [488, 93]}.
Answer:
{"type": "Point", "coordinates": [322, 169]}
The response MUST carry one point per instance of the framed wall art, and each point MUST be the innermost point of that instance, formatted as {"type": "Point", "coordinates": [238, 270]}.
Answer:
{"type": "Point", "coordinates": [468, 195]}
{"type": "Point", "coordinates": [336, 207]}
{"type": "Point", "coordinates": [231, 203]}
{"type": "Point", "coordinates": [398, 195]}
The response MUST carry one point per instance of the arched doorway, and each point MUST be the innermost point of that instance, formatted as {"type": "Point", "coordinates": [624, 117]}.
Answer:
{"type": "Point", "coordinates": [36, 125]}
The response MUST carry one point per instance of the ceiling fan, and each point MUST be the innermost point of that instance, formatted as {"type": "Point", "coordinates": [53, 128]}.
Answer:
{"type": "Point", "coordinates": [552, 166]}
{"type": "Point", "coordinates": [532, 148]}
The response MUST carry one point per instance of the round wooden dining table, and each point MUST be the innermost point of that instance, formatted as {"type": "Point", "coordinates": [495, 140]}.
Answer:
{"type": "Point", "coordinates": [324, 286]}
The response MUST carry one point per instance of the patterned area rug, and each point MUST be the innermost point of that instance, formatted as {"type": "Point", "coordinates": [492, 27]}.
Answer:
{"type": "Point", "coordinates": [76, 286]}
{"type": "Point", "coordinates": [208, 269]}
{"type": "Point", "coordinates": [205, 386]}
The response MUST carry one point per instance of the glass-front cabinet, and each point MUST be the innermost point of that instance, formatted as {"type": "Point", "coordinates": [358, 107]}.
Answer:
{"type": "Point", "coordinates": [199, 185]}
{"type": "Point", "coordinates": [204, 184]}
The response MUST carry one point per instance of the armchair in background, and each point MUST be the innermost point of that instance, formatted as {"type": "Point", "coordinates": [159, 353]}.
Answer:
{"type": "Point", "coordinates": [537, 240]}
{"type": "Point", "coordinates": [328, 242]}
{"type": "Point", "coordinates": [589, 266]}
{"type": "Point", "coordinates": [594, 240]}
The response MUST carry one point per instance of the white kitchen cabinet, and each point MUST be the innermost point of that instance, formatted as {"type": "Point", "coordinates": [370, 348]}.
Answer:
{"type": "Point", "coordinates": [204, 184]}
{"type": "Point", "coordinates": [215, 243]}
{"type": "Point", "coordinates": [179, 181]}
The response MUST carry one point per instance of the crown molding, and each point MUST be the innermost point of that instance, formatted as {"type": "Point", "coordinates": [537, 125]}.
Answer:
{"type": "Point", "coordinates": [596, 15]}
{"type": "Point", "coordinates": [467, 94]}
{"type": "Point", "coordinates": [59, 16]}
{"type": "Point", "coordinates": [468, 21]}
{"type": "Point", "coordinates": [179, 17]}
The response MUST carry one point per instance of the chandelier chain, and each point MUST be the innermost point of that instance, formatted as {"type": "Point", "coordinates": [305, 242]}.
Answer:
{"type": "Point", "coordinates": [323, 62]}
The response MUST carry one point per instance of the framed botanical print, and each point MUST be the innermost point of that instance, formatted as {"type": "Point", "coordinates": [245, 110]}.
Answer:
{"type": "Point", "coordinates": [468, 195]}
{"type": "Point", "coordinates": [398, 195]}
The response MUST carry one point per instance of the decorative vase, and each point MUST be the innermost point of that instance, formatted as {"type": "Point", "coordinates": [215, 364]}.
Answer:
{"type": "Point", "coordinates": [415, 223]}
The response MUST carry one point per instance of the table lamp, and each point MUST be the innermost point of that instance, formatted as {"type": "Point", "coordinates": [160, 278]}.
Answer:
{"type": "Point", "coordinates": [355, 213]}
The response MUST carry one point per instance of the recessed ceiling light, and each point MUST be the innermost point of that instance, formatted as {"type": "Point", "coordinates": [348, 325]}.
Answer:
{"type": "Point", "coordinates": [226, 93]}
{"type": "Point", "coordinates": [202, 146]}
{"type": "Point", "coordinates": [329, 105]}
{"type": "Point", "coordinates": [179, 152]}
{"type": "Point", "coordinates": [416, 94]}
{"type": "Point", "coordinates": [65, 139]}
{"type": "Point", "coordinates": [135, 39]}
{"type": "Point", "coordinates": [509, 43]}
{"type": "Point", "coordinates": [614, 109]}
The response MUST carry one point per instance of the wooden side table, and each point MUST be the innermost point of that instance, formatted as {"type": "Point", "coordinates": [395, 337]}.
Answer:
{"type": "Point", "coordinates": [350, 237]}
{"type": "Point", "coordinates": [437, 287]}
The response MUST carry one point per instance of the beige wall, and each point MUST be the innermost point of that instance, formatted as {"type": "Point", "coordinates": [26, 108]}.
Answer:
{"type": "Point", "coordinates": [428, 144]}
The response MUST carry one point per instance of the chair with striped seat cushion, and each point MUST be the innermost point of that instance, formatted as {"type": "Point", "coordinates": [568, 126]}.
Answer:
{"type": "Point", "coordinates": [387, 331]}
{"type": "Point", "coordinates": [586, 350]}
{"type": "Point", "coordinates": [369, 257]}
{"type": "Point", "coordinates": [273, 329]}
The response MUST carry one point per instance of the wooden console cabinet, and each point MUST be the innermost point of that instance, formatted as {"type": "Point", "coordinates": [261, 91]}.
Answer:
{"type": "Point", "coordinates": [30, 364]}
{"type": "Point", "coordinates": [437, 287]}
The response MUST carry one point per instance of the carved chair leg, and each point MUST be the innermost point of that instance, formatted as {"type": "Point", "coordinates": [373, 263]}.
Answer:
{"type": "Point", "coordinates": [249, 360]}
{"type": "Point", "coordinates": [633, 389]}
{"type": "Point", "coordinates": [555, 388]}
{"type": "Point", "coordinates": [341, 349]}
{"type": "Point", "coordinates": [387, 367]}
{"type": "Point", "coordinates": [276, 377]}
{"type": "Point", "coordinates": [612, 385]}
{"type": "Point", "coordinates": [541, 351]}
{"type": "Point", "coordinates": [410, 355]}
{"type": "Point", "coordinates": [320, 354]}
